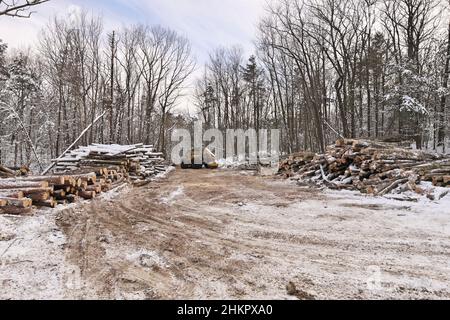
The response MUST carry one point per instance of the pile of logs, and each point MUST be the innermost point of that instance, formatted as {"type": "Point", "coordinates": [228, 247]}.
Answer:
{"type": "Point", "coordinates": [371, 167]}
{"type": "Point", "coordinates": [83, 173]}
{"type": "Point", "coordinates": [6, 172]}
{"type": "Point", "coordinates": [139, 162]}
{"type": "Point", "coordinates": [18, 195]}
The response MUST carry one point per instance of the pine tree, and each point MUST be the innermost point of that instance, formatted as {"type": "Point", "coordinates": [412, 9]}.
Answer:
{"type": "Point", "coordinates": [253, 76]}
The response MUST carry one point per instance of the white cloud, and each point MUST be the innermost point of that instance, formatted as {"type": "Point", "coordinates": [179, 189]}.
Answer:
{"type": "Point", "coordinates": [206, 23]}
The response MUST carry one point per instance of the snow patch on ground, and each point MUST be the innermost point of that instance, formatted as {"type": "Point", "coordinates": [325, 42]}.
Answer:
{"type": "Point", "coordinates": [147, 259]}
{"type": "Point", "coordinates": [32, 252]}
{"type": "Point", "coordinates": [164, 174]}
{"type": "Point", "coordinates": [172, 196]}
{"type": "Point", "coordinates": [235, 164]}
{"type": "Point", "coordinates": [114, 193]}
{"type": "Point", "coordinates": [32, 262]}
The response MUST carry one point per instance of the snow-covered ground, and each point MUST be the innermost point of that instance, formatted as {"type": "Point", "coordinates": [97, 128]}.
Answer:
{"type": "Point", "coordinates": [32, 258]}
{"type": "Point", "coordinates": [230, 234]}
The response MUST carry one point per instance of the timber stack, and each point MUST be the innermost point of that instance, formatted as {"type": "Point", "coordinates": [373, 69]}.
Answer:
{"type": "Point", "coordinates": [368, 166]}
{"type": "Point", "coordinates": [20, 195]}
{"type": "Point", "coordinates": [82, 174]}
{"type": "Point", "coordinates": [137, 162]}
{"type": "Point", "coordinates": [6, 172]}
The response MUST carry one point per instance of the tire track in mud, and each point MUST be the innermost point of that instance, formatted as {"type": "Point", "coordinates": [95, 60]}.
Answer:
{"type": "Point", "coordinates": [222, 234]}
{"type": "Point", "coordinates": [182, 223]}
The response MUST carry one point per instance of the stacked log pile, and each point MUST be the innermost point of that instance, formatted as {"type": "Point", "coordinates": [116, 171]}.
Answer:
{"type": "Point", "coordinates": [371, 167]}
{"type": "Point", "coordinates": [18, 196]}
{"type": "Point", "coordinates": [82, 174]}
{"type": "Point", "coordinates": [137, 162]}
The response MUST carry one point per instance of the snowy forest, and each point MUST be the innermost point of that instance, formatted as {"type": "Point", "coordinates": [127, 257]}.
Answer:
{"type": "Point", "coordinates": [321, 69]}
{"type": "Point", "coordinates": [224, 150]}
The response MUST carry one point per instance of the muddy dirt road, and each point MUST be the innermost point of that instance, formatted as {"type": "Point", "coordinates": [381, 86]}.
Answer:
{"type": "Point", "coordinates": [228, 234]}
{"type": "Point", "coordinates": [225, 234]}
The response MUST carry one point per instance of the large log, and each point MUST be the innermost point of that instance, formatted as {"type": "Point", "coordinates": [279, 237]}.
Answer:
{"type": "Point", "coordinates": [16, 184]}
{"type": "Point", "coordinates": [27, 191]}
{"type": "Point", "coordinates": [11, 194]}
{"type": "Point", "coordinates": [7, 171]}
{"type": "Point", "coordinates": [19, 203]}
{"type": "Point", "coordinates": [49, 179]}
{"type": "Point", "coordinates": [97, 188]}
{"type": "Point", "coordinates": [87, 194]}
{"type": "Point", "coordinates": [42, 196]}
{"type": "Point", "coordinates": [13, 210]}
{"type": "Point", "coordinates": [50, 203]}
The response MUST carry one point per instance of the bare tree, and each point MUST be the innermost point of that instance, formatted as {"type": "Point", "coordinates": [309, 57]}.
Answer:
{"type": "Point", "coordinates": [18, 8]}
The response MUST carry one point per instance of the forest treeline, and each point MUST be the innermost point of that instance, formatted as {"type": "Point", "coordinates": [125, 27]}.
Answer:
{"type": "Point", "coordinates": [329, 68]}
{"type": "Point", "coordinates": [133, 76]}
{"type": "Point", "coordinates": [321, 69]}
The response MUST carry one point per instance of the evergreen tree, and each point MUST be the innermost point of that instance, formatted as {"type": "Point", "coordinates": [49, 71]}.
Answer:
{"type": "Point", "coordinates": [254, 77]}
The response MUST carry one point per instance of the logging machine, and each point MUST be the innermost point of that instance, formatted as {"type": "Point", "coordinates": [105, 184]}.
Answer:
{"type": "Point", "coordinates": [196, 159]}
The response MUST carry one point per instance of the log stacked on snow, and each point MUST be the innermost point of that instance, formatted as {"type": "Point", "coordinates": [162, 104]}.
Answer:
{"type": "Point", "coordinates": [18, 195]}
{"type": "Point", "coordinates": [371, 167]}
{"type": "Point", "coordinates": [6, 172]}
{"type": "Point", "coordinates": [83, 173]}
{"type": "Point", "coordinates": [136, 162]}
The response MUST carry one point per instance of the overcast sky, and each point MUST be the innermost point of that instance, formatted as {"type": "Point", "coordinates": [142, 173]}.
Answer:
{"type": "Point", "coordinates": [207, 23]}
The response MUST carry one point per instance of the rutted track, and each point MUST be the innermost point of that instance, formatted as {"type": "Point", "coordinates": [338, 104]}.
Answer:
{"type": "Point", "coordinates": [225, 234]}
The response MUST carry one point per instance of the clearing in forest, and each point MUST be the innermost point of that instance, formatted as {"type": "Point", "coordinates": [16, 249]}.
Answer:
{"type": "Point", "coordinates": [230, 234]}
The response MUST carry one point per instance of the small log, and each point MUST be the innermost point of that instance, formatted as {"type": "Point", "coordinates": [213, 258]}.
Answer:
{"type": "Point", "coordinates": [89, 177]}
{"type": "Point", "coordinates": [19, 203]}
{"type": "Point", "coordinates": [87, 195]}
{"type": "Point", "coordinates": [392, 186]}
{"type": "Point", "coordinates": [41, 196]}
{"type": "Point", "coordinates": [8, 171]}
{"type": "Point", "coordinates": [97, 188]}
{"type": "Point", "coordinates": [69, 181]}
{"type": "Point", "coordinates": [50, 203]}
{"type": "Point", "coordinates": [83, 185]}
{"type": "Point", "coordinates": [59, 194]}
{"type": "Point", "coordinates": [106, 187]}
